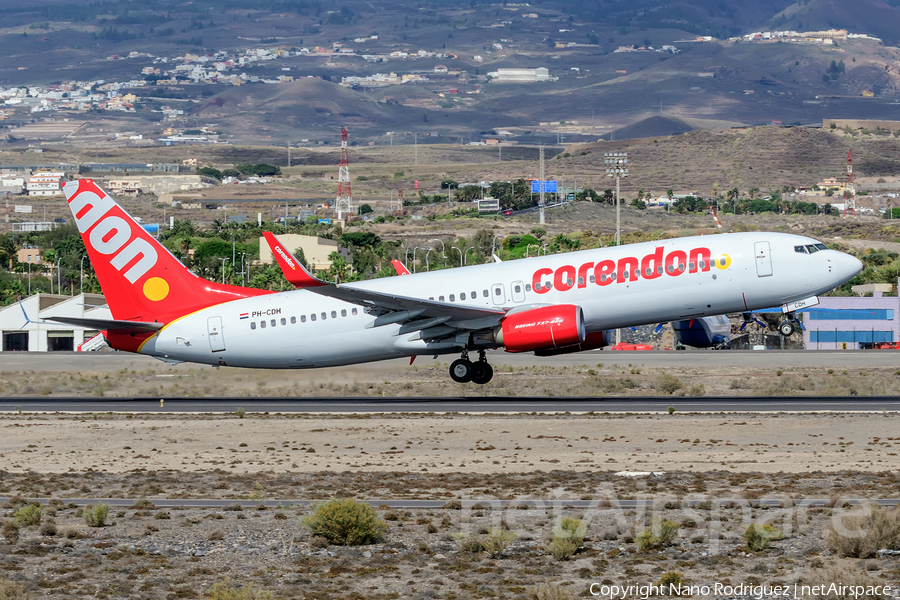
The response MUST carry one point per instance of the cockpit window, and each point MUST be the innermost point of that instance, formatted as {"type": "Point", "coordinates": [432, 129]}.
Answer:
{"type": "Point", "coordinates": [821, 246]}
{"type": "Point", "coordinates": [812, 248]}
{"type": "Point", "coordinates": [800, 249]}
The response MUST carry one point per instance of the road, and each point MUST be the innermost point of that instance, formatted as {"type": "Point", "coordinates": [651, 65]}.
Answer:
{"type": "Point", "coordinates": [725, 359]}
{"type": "Point", "coordinates": [451, 404]}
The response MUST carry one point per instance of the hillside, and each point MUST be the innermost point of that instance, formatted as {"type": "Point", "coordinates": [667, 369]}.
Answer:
{"type": "Point", "coordinates": [874, 17]}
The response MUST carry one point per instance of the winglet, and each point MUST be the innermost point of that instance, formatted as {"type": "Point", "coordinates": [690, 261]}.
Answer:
{"type": "Point", "coordinates": [293, 271]}
{"type": "Point", "coordinates": [400, 267]}
{"type": "Point", "coordinates": [27, 320]}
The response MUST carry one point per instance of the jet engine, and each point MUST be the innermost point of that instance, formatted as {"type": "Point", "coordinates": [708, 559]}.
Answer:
{"type": "Point", "coordinates": [543, 328]}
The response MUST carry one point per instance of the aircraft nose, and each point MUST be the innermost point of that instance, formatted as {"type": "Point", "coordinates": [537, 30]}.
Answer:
{"type": "Point", "coordinates": [847, 266]}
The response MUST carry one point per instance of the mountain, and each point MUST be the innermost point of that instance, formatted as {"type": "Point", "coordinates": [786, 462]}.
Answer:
{"type": "Point", "coordinates": [873, 17]}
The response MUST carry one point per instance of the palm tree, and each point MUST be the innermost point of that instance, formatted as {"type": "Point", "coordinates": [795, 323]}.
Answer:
{"type": "Point", "coordinates": [9, 246]}
{"type": "Point", "coordinates": [339, 267]}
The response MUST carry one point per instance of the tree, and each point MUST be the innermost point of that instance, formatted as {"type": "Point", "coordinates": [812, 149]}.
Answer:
{"type": "Point", "coordinates": [365, 209]}
{"type": "Point", "coordinates": [210, 172]}
{"type": "Point", "coordinates": [339, 268]}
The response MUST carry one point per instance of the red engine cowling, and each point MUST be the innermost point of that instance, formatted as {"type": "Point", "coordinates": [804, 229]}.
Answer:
{"type": "Point", "coordinates": [593, 341]}
{"type": "Point", "coordinates": [542, 328]}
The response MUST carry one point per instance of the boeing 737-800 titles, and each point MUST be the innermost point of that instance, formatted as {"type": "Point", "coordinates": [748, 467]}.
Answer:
{"type": "Point", "coordinates": [547, 305]}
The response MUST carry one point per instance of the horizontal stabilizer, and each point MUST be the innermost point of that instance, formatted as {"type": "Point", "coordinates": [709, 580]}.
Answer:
{"type": "Point", "coordinates": [110, 324]}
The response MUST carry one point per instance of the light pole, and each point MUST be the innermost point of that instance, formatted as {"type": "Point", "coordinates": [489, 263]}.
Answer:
{"type": "Point", "coordinates": [224, 260]}
{"type": "Point", "coordinates": [467, 253]}
{"type": "Point", "coordinates": [493, 241]}
{"type": "Point", "coordinates": [426, 259]}
{"type": "Point", "coordinates": [82, 272]}
{"type": "Point", "coordinates": [460, 254]}
{"type": "Point", "coordinates": [529, 246]}
{"type": "Point", "coordinates": [58, 277]}
{"type": "Point", "coordinates": [414, 258]}
{"type": "Point", "coordinates": [544, 248]}
{"type": "Point", "coordinates": [616, 167]}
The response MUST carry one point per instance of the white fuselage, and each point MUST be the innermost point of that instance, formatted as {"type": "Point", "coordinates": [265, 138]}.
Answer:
{"type": "Point", "coordinates": [751, 271]}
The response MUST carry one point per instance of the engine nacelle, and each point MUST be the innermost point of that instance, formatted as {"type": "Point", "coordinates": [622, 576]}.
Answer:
{"type": "Point", "coordinates": [593, 341]}
{"type": "Point", "coordinates": [542, 328]}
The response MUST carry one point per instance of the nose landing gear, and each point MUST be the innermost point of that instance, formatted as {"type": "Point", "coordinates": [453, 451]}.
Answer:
{"type": "Point", "coordinates": [462, 370]}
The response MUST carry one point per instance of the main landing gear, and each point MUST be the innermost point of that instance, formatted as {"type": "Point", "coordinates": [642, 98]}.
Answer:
{"type": "Point", "coordinates": [789, 325]}
{"type": "Point", "coordinates": [463, 370]}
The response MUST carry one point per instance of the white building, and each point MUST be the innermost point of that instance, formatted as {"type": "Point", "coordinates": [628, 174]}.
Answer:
{"type": "Point", "coordinates": [38, 336]}
{"type": "Point", "coordinates": [47, 183]}
{"type": "Point", "coordinates": [521, 75]}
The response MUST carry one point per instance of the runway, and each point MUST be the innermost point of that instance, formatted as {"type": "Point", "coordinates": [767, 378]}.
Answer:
{"type": "Point", "coordinates": [499, 404]}
{"type": "Point", "coordinates": [663, 359]}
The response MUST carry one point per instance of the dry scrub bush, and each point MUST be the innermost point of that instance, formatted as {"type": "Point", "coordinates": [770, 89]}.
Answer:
{"type": "Point", "coordinates": [568, 537]}
{"type": "Point", "coordinates": [345, 522]}
{"type": "Point", "coordinates": [668, 384]}
{"type": "Point", "coordinates": [10, 531]}
{"type": "Point", "coordinates": [758, 536]}
{"type": "Point", "coordinates": [549, 591]}
{"type": "Point", "coordinates": [10, 590]}
{"type": "Point", "coordinates": [28, 515]}
{"type": "Point", "coordinates": [48, 527]}
{"type": "Point", "coordinates": [497, 542]}
{"type": "Point", "coordinates": [870, 533]}
{"type": "Point", "coordinates": [671, 580]}
{"type": "Point", "coordinates": [95, 516]}
{"type": "Point", "coordinates": [467, 545]}
{"type": "Point", "coordinates": [659, 535]}
{"type": "Point", "coordinates": [843, 573]}
{"type": "Point", "coordinates": [224, 590]}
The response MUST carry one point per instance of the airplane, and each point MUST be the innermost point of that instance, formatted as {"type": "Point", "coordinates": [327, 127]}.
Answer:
{"type": "Point", "coordinates": [547, 305]}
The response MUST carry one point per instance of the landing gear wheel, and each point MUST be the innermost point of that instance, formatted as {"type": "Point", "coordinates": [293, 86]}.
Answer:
{"type": "Point", "coordinates": [482, 372]}
{"type": "Point", "coordinates": [786, 328]}
{"type": "Point", "coordinates": [461, 370]}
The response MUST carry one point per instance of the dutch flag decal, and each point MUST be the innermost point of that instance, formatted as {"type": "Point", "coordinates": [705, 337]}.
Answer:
{"type": "Point", "coordinates": [245, 315]}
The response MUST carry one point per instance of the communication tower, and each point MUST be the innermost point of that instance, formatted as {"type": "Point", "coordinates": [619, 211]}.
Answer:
{"type": "Point", "coordinates": [849, 189]}
{"type": "Point", "coordinates": [344, 201]}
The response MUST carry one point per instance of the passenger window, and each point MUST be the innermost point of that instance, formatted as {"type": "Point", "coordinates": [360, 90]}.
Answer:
{"type": "Point", "coordinates": [343, 312]}
{"type": "Point", "coordinates": [252, 324]}
{"type": "Point", "coordinates": [352, 311]}
{"type": "Point", "coordinates": [613, 276]}
{"type": "Point", "coordinates": [272, 322]}
{"type": "Point", "coordinates": [569, 282]}
{"type": "Point", "coordinates": [283, 321]}
{"type": "Point", "coordinates": [603, 278]}
{"type": "Point", "coordinates": [262, 324]}
{"type": "Point", "coordinates": [625, 275]}
{"type": "Point", "coordinates": [722, 262]}
{"type": "Point", "coordinates": [452, 297]}
{"type": "Point", "coordinates": [691, 265]}
{"type": "Point", "coordinates": [431, 297]}
{"type": "Point", "coordinates": [681, 267]}
{"type": "Point", "coordinates": [462, 296]}
{"type": "Point", "coordinates": [518, 288]}
{"type": "Point", "coordinates": [312, 317]}
{"type": "Point", "coordinates": [497, 291]}
{"type": "Point", "coordinates": [670, 268]}
{"type": "Point", "coordinates": [649, 271]}
{"type": "Point", "coordinates": [303, 318]}
{"type": "Point", "coordinates": [440, 298]}
{"type": "Point", "coordinates": [637, 274]}
{"type": "Point", "coordinates": [580, 282]}
{"type": "Point", "coordinates": [527, 287]}
{"type": "Point", "coordinates": [659, 269]}
{"type": "Point", "coordinates": [293, 320]}
{"type": "Point", "coordinates": [800, 249]}
{"type": "Point", "coordinates": [592, 279]}
{"type": "Point", "coordinates": [485, 294]}
{"type": "Point", "coordinates": [538, 286]}
{"type": "Point", "coordinates": [324, 316]}
{"type": "Point", "coordinates": [702, 264]}
{"type": "Point", "coordinates": [334, 314]}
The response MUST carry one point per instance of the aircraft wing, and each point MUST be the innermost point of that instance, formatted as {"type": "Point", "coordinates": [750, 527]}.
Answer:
{"type": "Point", "coordinates": [110, 324]}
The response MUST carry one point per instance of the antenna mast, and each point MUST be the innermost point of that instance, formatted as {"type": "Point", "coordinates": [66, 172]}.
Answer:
{"type": "Point", "coordinates": [849, 188]}
{"type": "Point", "coordinates": [343, 203]}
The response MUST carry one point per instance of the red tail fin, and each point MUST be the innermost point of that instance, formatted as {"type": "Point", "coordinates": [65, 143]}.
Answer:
{"type": "Point", "coordinates": [400, 267]}
{"type": "Point", "coordinates": [293, 271]}
{"type": "Point", "coordinates": [140, 278]}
